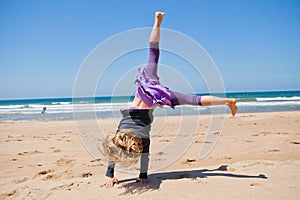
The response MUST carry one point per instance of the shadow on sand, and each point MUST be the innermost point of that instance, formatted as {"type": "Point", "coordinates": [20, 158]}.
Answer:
{"type": "Point", "coordinates": [133, 187]}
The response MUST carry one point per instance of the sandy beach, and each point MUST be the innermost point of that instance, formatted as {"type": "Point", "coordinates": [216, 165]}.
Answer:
{"type": "Point", "coordinates": [257, 156]}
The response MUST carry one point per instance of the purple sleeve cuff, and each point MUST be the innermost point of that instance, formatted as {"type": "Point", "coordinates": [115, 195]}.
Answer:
{"type": "Point", "coordinates": [110, 169]}
{"type": "Point", "coordinates": [154, 45]}
{"type": "Point", "coordinates": [199, 100]}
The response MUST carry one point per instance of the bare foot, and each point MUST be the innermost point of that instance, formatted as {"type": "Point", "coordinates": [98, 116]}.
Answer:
{"type": "Point", "coordinates": [231, 103]}
{"type": "Point", "coordinates": [110, 182]}
{"type": "Point", "coordinates": [142, 180]}
{"type": "Point", "coordinates": [159, 16]}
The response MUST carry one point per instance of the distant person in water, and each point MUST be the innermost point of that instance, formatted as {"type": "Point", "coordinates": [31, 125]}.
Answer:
{"type": "Point", "coordinates": [131, 141]}
{"type": "Point", "coordinates": [44, 110]}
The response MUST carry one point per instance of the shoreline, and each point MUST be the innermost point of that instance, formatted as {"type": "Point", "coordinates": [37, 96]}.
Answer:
{"type": "Point", "coordinates": [156, 116]}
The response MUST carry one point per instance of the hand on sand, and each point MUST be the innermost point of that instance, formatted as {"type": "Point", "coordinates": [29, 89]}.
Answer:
{"type": "Point", "coordinates": [142, 180]}
{"type": "Point", "coordinates": [110, 182]}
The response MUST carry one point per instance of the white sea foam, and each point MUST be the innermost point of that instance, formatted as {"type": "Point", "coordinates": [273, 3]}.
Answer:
{"type": "Point", "coordinates": [107, 107]}
{"type": "Point", "coordinates": [268, 103]}
{"type": "Point", "coordinates": [295, 98]}
{"type": "Point", "coordinates": [65, 110]}
{"type": "Point", "coordinates": [61, 103]}
{"type": "Point", "coordinates": [61, 108]}
{"type": "Point", "coordinates": [12, 106]}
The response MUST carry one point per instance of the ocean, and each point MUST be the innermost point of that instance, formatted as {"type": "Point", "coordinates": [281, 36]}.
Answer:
{"type": "Point", "coordinates": [107, 107]}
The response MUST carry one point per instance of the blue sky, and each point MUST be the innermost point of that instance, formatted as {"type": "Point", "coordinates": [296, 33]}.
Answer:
{"type": "Point", "coordinates": [255, 44]}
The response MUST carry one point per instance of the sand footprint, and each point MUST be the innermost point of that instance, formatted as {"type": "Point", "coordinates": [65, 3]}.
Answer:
{"type": "Point", "coordinates": [44, 172]}
{"type": "Point", "coordinates": [86, 174]}
{"type": "Point", "coordinates": [49, 174]}
{"type": "Point", "coordinates": [199, 142]}
{"type": "Point", "coordinates": [65, 186]}
{"type": "Point", "coordinates": [14, 138]}
{"type": "Point", "coordinates": [70, 186]}
{"type": "Point", "coordinates": [40, 137]}
{"type": "Point", "coordinates": [65, 161]}
{"type": "Point", "coordinates": [69, 131]}
{"type": "Point", "coordinates": [29, 152]}
{"type": "Point", "coordinates": [283, 133]}
{"type": "Point", "coordinates": [95, 163]}
{"type": "Point", "coordinates": [161, 153]}
{"type": "Point", "coordinates": [165, 140]}
{"type": "Point", "coordinates": [189, 161]}
{"type": "Point", "coordinates": [274, 150]}
{"type": "Point", "coordinates": [55, 150]}
{"type": "Point", "coordinates": [254, 184]}
{"type": "Point", "coordinates": [295, 142]}
{"type": "Point", "coordinates": [52, 176]}
{"type": "Point", "coordinates": [64, 138]}
{"type": "Point", "coordinates": [21, 180]}
{"type": "Point", "coordinates": [266, 133]}
{"type": "Point", "coordinates": [8, 194]}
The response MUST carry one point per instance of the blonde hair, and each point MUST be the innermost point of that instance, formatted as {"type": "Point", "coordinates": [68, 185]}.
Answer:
{"type": "Point", "coordinates": [125, 147]}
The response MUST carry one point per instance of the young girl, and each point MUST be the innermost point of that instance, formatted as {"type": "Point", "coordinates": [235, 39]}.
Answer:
{"type": "Point", "coordinates": [132, 137]}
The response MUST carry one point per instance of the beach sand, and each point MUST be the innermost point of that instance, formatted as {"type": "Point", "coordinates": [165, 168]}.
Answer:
{"type": "Point", "coordinates": [257, 156]}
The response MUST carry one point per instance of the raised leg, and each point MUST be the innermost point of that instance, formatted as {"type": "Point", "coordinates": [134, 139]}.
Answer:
{"type": "Point", "coordinates": [150, 71]}
{"type": "Point", "coordinates": [155, 33]}
{"type": "Point", "coordinates": [151, 68]}
{"type": "Point", "coordinates": [178, 98]}
{"type": "Point", "coordinates": [213, 101]}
